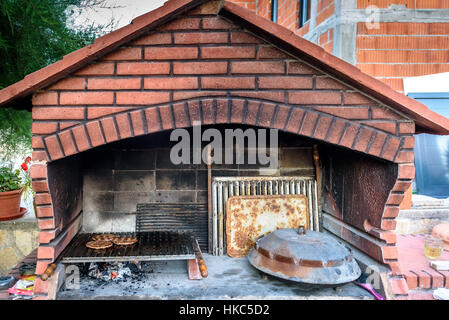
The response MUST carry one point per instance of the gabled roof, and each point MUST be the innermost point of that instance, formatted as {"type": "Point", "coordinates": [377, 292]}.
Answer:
{"type": "Point", "coordinates": [426, 120]}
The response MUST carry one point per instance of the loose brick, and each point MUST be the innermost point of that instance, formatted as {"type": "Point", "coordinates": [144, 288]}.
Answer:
{"type": "Point", "coordinates": [177, 53]}
{"type": "Point", "coordinates": [125, 54]}
{"type": "Point", "coordinates": [110, 132]}
{"type": "Point", "coordinates": [228, 52]}
{"type": "Point", "coordinates": [256, 67]}
{"type": "Point", "coordinates": [80, 138]}
{"type": "Point", "coordinates": [152, 117]}
{"type": "Point", "coordinates": [141, 98]}
{"type": "Point", "coordinates": [58, 113]}
{"type": "Point", "coordinates": [45, 99]}
{"type": "Point", "coordinates": [143, 68]}
{"type": "Point", "coordinates": [53, 147]}
{"type": "Point", "coordinates": [285, 82]}
{"type": "Point", "coordinates": [228, 83]}
{"type": "Point", "coordinates": [67, 142]}
{"type": "Point", "coordinates": [95, 135]}
{"type": "Point", "coordinates": [86, 98]}
{"type": "Point", "coordinates": [97, 69]}
{"type": "Point", "coordinates": [113, 84]}
{"type": "Point", "coordinates": [171, 83]}
{"type": "Point", "coordinates": [44, 127]}
{"type": "Point", "coordinates": [201, 37]}
{"type": "Point", "coordinates": [200, 67]}
{"type": "Point", "coordinates": [314, 97]}
{"type": "Point", "coordinates": [69, 84]}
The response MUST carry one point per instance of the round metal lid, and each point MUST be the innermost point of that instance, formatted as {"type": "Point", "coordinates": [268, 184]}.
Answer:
{"type": "Point", "coordinates": [305, 256]}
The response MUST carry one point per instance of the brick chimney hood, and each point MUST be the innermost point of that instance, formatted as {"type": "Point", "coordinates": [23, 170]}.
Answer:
{"type": "Point", "coordinates": [426, 121]}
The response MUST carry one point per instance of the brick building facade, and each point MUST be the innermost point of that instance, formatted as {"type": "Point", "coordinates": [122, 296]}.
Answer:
{"type": "Point", "coordinates": [388, 39]}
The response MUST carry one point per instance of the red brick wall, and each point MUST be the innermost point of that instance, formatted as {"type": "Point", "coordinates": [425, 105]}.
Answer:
{"type": "Point", "coordinates": [410, 4]}
{"type": "Point", "coordinates": [325, 9]}
{"type": "Point", "coordinates": [288, 13]}
{"type": "Point", "coordinates": [248, 4]}
{"type": "Point", "coordinates": [327, 40]}
{"type": "Point", "coordinates": [203, 68]}
{"type": "Point", "coordinates": [264, 8]}
{"type": "Point", "coordinates": [398, 50]}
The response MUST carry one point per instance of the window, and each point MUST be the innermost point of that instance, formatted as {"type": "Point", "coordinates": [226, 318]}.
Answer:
{"type": "Point", "coordinates": [304, 12]}
{"type": "Point", "coordinates": [274, 10]}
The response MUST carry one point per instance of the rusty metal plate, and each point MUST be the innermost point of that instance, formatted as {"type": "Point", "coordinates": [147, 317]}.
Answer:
{"type": "Point", "coordinates": [249, 217]}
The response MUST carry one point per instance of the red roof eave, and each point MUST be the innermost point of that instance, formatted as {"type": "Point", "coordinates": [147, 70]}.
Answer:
{"type": "Point", "coordinates": [426, 120]}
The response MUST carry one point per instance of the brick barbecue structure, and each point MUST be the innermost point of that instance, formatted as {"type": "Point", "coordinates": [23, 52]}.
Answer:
{"type": "Point", "coordinates": [218, 63]}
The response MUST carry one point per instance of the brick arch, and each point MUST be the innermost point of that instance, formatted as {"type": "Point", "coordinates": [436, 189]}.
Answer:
{"type": "Point", "coordinates": [221, 110]}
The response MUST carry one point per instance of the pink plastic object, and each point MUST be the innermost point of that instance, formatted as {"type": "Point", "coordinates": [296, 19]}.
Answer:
{"type": "Point", "coordinates": [371, 290]}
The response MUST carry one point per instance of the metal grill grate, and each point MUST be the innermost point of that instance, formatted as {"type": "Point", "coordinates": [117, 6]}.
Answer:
{"type": "Point", "coordinates": [226, 187]}
{"type": "Point", "coordinates": [157, 245]}
{"type": "Point", "coordinates": [192, 218]}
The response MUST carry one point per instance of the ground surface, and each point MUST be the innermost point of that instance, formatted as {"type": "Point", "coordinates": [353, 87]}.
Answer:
{"type": "Point", "coordinates": [228, 279]}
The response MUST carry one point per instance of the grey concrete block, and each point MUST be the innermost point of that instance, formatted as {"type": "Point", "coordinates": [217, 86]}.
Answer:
{"type": "Point", "coordinates": [141, 181]}
{"type": "Point", "coordinates": [175, 180]}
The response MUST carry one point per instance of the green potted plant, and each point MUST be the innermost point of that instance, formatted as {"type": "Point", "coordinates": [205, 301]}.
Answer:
{"type": "Point", "coordinates": [13, 183]}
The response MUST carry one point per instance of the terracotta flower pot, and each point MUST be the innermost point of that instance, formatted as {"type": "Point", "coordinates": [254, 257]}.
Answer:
{"type": "Point", "coordinates": [10, 204]}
